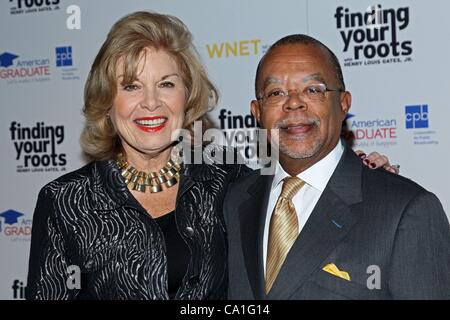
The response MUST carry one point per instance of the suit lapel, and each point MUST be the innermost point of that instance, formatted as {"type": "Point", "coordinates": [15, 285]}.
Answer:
{"type": "Point", "coordinates": [252, 213]}
{"type": "Point", "coordinates": [332, 218]}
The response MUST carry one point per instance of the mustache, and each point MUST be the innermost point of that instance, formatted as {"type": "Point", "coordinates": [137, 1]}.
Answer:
{"type": "Point", "coordinates": [285, 123]}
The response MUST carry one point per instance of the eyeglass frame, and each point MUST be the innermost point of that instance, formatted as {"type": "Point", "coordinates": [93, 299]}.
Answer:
{"type": "Point", "coordinates": [288, 95]}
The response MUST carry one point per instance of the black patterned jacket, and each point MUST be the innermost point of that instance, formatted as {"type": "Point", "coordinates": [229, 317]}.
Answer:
{"type": "Point", "coordinates": [88, 218]}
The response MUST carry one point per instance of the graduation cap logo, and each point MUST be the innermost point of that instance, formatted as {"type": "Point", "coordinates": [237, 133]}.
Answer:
{"type": "Point", "coordinates": [348, 116]}
{"type": "Point", "coordinates": [11, 216]}
{"type": "Point", "coordinates": [6, 59]}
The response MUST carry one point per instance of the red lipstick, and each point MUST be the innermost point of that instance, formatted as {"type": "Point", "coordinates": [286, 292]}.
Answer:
{"type": "Point", "coordinates": [151, 124]}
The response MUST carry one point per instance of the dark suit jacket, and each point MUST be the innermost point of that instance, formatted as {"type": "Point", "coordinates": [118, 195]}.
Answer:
{"type": "Point", "coordinates": [88, 218]}
{"type": "Point", "coordinates": [363, 218]}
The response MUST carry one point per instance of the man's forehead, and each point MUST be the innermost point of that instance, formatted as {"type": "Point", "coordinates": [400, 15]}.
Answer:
{"type": "Point", "coordinates": [310, 59]}
{"type": "Point", "coordinates": [298, 50]}
{"type": "Point", "coordinates": [288, 61]}
{"type": "Point", "coordinates": [295, 56]}
{"type": "Point", "coordinates": [300, 78]}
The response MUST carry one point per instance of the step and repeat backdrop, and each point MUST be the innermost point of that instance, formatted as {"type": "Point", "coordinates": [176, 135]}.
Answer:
{"type": "Point", "coordinates": [394, 54]}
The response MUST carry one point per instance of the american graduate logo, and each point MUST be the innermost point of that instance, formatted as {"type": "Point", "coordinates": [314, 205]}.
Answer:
{"type": "Point", "coordinates": [15, 225]}
{"type": "Point", "coordinates": [6, 59]}
{"type": "Point", "coordinates": [373, 132]}
{"type": "Point", "coordinates": [15, 69]}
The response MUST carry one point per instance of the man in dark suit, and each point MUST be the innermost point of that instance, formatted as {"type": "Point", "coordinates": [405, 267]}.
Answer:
{"type": "Point", "coordinates": [324, 226]}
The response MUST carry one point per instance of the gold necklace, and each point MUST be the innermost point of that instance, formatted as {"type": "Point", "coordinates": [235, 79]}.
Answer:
{"type": "Point", "coordinates": [139, 180]}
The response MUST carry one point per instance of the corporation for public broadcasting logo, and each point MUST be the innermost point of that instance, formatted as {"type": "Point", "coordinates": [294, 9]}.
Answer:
{"type": "Point", "coordinates": [65, 63]}
{"type": "Point", "coordinates": [416, 116]}
{"type": "Point", "coordinates": [64, 56]}
{"type": "Point", "coordinates": [417, 121]}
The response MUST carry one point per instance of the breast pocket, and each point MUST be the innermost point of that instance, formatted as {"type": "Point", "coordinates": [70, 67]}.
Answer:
{"type": "Point", "coordinates": [344, 288]}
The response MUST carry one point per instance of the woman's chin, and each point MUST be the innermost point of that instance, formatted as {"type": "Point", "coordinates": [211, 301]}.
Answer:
{"type": "Point", "coordinates": [154, 149]}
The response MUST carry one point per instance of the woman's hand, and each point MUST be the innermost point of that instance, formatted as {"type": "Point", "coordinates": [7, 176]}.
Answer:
{"type": "Point", "coordinates": [375, 160]}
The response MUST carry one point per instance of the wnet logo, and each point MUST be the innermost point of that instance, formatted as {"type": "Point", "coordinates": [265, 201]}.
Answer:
{"type": "Point", "coordinates": [416, 116]}
{"type": "Point", "coordinates": [15, 70]}
{"type": "Point", "coordinates": [64, 56]}
{"type": "Point", "coordinates": [242, 48]}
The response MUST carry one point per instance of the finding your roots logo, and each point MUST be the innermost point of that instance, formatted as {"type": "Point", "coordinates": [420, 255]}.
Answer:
{"type": "Point", "coordinates": [36, 147]}
{"type": "Point", "coordinates": [241, 146]}
{"type": "Point", "coordinates": [33, 6]}
{"type": "Point", "coordinates": [18, 289]}
{"type": "Point", "coordinates": [374, 36]}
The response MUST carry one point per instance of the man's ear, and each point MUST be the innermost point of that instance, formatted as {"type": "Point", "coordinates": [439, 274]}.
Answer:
{"type": "Point", "coordinates": [346, 102]}
{"type": "Point", "coordinates": [255, 109]}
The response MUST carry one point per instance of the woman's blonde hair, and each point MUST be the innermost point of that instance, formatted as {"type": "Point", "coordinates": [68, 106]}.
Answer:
{"type": "Point", "coordinates": [126, 40]}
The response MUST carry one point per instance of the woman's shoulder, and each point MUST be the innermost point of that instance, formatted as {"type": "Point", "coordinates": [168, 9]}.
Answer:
{"type": "Point", "coordinates": [75, 178]}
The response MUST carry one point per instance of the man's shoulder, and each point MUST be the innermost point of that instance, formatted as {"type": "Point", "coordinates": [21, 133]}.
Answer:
{"type": "Point", "coordinates": [381, 178]}
{"type": "Point", "coordinates": [248, 179]}
{"type": "Point", "coordinates": [240, 188]}
{"type": "Point", "coordinates": [379, 182]}
{"type": "Point", "coordinates": [395, 193]}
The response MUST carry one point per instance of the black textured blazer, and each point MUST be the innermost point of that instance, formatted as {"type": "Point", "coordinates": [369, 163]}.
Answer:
{"type": "Point", "coordinates": [88, 218]}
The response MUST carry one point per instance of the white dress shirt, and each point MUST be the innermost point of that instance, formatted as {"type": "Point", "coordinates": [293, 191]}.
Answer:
{"type": "Point", "coordinates": [316, 178]}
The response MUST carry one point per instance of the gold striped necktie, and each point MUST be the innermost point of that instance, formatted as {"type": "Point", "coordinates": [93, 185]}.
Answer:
{"type": "Point", "coordinates": [283, 229]}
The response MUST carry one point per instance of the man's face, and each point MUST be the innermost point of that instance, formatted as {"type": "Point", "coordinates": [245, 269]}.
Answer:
{"type": "Point", "coordinates": [309, 124]}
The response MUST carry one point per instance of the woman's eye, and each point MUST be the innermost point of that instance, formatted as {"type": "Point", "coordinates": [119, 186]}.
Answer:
{"type": "Point", "coordinates": [167, 84]}
{"type": "Point", "coordinates": [130, 87]}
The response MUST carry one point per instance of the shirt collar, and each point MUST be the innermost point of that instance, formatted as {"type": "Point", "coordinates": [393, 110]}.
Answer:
{"type": "Point", "coordinates": [318, 175]}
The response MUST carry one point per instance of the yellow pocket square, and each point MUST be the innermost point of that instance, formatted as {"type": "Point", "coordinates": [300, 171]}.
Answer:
{"type": "Point", "coordinates": [331, 268]}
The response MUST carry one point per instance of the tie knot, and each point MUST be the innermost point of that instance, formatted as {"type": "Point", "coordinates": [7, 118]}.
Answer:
{"type": "Point", "coordinates": [291, 185]}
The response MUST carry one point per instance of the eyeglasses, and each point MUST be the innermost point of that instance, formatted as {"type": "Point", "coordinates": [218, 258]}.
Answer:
{"type": "Point", "coordinates": [311, 93]}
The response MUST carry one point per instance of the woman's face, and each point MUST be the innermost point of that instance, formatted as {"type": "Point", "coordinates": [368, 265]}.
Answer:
{"type": "Point", "coordinates": [147, 111]}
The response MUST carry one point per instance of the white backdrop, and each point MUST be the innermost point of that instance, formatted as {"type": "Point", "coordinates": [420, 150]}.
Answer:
{"type": "Point", "coordinates": [399, 83]}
